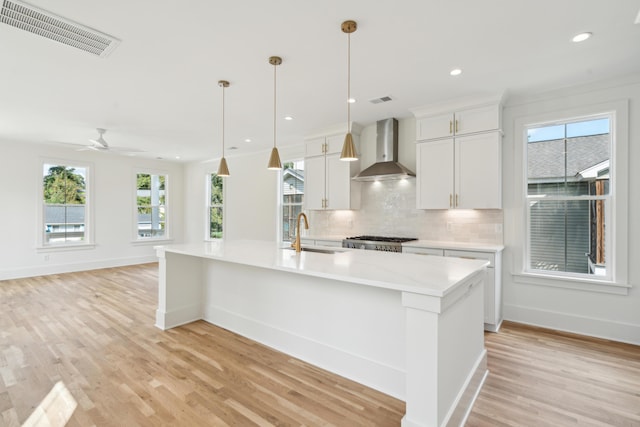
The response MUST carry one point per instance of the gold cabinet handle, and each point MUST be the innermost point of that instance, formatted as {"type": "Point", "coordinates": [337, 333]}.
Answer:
{"type": "Point", "coordinates": [450, 200]}
{"type": "Point", "coordinates": [456, 125]}
{"type": "Point", "coordinates": [450, 126]}
{"type": "Point", "coordinates": [456, 200]}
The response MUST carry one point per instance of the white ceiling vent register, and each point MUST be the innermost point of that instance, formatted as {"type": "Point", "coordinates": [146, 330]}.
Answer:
{"type": "Point", "coordinates": [381, 100]}
{"type": "Point", "coordinates": [45, 24]}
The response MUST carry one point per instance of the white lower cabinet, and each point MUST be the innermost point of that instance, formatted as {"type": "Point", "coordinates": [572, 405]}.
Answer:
{"type": "Point", "coordinates": [493, 282]}
{"type": "Point", "coordinates": [330, 243]}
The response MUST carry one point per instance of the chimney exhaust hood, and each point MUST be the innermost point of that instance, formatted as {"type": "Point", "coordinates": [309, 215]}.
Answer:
{"type": "Point", "coordinates": [386, 166]}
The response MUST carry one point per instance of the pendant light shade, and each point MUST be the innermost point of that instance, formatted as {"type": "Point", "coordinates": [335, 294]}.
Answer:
{"type": "Point", "coordinates": [348, 149]}
{"type": "Point", "coordinates": [349, 153]}
{"type": "Point", "coordinates": [274, 159]}
{"type": "Point", "coordinates": [223, 169]}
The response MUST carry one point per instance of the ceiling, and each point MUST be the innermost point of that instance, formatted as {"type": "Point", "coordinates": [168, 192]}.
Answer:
{"type": "Point", "coordinates": [158, 91]}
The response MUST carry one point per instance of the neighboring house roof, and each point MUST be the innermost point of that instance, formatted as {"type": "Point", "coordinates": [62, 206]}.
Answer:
{"type": "Point", "coordinates": [293, 181]}
{"type": "Point", "coordinates": [64, 214]}
{"type": "Point", "coordinates": [546, 160]}
{"type": "Point", "coordinates": [74, 214]}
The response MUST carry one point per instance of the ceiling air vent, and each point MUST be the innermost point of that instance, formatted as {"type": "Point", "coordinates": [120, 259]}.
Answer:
{"type": "Point", "coordinates": [381, 100]}
{"type": "Point", "coordinates": [46, 24]}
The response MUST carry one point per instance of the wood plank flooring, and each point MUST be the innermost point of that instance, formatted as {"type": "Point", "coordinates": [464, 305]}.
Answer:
{"type": "Point", "coordinates": [94, 332]}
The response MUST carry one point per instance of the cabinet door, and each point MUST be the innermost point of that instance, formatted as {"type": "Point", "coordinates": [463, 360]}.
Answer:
{"type": "Point", "coordinates": [338, 187]}
{"type": "Point", "coordinates": [422, 251]}
{"type": "Point", "coordinates": [314, 182]}
{"type": "Point", "coordinates": [477, 176]}
{"type": "Point", "coordinates": [314, 147]}
{"type": "Point", "coordinates": [335, 142]}
{"type": "Point", "coordinates": [434, 183]}
{"type": "Point", "coordinates": [474, 120]}
{"type": "Point", "coordinates": [434, 127]}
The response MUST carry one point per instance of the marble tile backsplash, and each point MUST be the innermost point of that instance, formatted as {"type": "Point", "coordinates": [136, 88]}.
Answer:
{"type": "Point", "coordinates": [388, 208]}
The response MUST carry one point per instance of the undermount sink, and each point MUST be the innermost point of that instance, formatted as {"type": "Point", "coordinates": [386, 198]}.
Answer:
{"type": "Point", "coordinates": [319, 250]}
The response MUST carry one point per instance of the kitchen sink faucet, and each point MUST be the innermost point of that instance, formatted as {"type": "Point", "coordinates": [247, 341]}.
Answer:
{"type": "Point", "coordinates": [296, 245]}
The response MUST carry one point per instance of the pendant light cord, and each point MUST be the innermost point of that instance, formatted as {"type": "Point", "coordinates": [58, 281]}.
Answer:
{"type": "Point", "coordinates": [274, 105]}
{"type": "Point", "coordinates": [348, 82]}
{"type": "Point", "coordinates": [223, 120]}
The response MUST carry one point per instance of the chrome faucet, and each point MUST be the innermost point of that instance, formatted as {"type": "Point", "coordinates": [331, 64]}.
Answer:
{"type": "Point", "coordinates": [296, 244]}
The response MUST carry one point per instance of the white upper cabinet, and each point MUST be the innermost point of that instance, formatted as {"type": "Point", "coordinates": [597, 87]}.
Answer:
{"type": "Point", "coordinates": [328, 183]}
{"type": "Point", "coordinates": [458, 158]}
{"type": "Point", "coordinates": [463, 122]}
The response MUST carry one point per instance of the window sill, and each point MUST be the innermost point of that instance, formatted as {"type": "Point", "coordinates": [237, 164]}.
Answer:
{"type": "Point", "coordinates": [65, 247]}
{"type": "Point", "coordinates": [143, 242]}
{"type": "Point", "coordinates": [572, 283]}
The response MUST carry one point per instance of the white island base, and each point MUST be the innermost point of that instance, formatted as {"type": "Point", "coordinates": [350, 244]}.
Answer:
{"type": "Point", "coordinates": [408, 327]}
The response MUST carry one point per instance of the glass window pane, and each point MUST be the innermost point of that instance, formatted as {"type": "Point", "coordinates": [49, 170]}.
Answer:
{"type": "Point", "coordinates": [216, 189]}
{"type": "Point", "coordinates": [565, 235]}
{"type": "Point", "coordinates": [545, 133]}
{"type": "Point", "coordinates": [588, 127]}
{"type": "Point", "coordinates": [215, 222]}
{"type": "Point", "coordinates": [557, 166]}
{"type": "Point", "coordinates": [546, 166]}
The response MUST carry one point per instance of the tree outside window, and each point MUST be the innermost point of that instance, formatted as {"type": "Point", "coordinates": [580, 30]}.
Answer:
{"type": "Point", "coordinates": [216, 206]}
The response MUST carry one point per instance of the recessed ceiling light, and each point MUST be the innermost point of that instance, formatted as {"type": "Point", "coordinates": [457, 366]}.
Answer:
{"type": "Point", "coordinates": [288, 118]}
{"type": "Point", "coordinates": [581, 37]}
{"type": "Point", "coordinates": [177, 157]}
{"type": "Point", "coordinates": [351, 100]}
{"type": "Point", "coordinates": [455, 72]}
{"type": "Point", "coordinates": [247, 140]}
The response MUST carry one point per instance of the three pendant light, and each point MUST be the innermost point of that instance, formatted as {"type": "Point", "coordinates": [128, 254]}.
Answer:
{"type": "Point", "coordinates": [349, 152]}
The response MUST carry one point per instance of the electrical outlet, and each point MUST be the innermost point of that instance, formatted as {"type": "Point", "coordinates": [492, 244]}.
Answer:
{"type": "Point", "coordinates": [449, 226]}
{"type": "Point", "coordinates": [498, 228]}
{"type": "Point", "coordinates": [46, 257]}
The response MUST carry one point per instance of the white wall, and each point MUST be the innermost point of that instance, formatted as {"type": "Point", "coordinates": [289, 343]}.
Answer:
{"type": "Point", "coordinates": [112, 198]}
{"type": "Point", "coordinates": [591, 313]}
{"type": "Point", "coordinates": [250, 198]}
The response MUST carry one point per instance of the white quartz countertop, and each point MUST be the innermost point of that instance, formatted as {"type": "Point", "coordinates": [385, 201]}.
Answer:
{"type": "Point", "coordinates": [435, 276]}
{"type": "Point", "coordinates": [463, 246]}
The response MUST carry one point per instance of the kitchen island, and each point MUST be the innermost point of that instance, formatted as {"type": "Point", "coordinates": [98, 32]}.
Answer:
{"type": "Point", "coordinates": [407, 325]}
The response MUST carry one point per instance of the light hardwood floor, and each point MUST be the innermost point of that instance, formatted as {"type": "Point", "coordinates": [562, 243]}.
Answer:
{"type": "Point", "coordinates": [94, 332]}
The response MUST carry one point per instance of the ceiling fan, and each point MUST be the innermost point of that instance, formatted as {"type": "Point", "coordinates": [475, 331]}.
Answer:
{"type": "Point", "coordinates": [100, 144]}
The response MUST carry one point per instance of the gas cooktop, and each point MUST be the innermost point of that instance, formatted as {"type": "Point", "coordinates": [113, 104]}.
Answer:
{"type": "Point", "coordinates": [382, 239]}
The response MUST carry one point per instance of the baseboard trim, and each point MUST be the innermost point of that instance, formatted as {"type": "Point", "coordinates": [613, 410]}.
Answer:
{"type": "Point", "coordinates": [386, 379]}
{"type": "Point", "coordinates": [469, 393]}
{"type": "Point", "coordinates": [178, 317]}
{"type": "Point", "coordinates": [45, 270]}
{"type": "Point", "coordinates": [599, 328]}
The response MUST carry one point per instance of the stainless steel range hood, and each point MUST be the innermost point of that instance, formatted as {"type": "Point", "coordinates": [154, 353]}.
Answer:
{"type": "Point", "coordinates": [386, 165]}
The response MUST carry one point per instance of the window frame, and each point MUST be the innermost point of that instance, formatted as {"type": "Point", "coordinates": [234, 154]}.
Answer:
{"type": "Point", "coordinates": [607, 198]}
{"type": "Point", "coordinates": [281, 204]}
{"type": "Point", "coordinates": [209, 206]}
{"type": "Point", "coordinates": [89, 241]}
{"type": "Point", "coordinates": [167, 214]}
{"type": "Point", "coordinates": [616, 281]}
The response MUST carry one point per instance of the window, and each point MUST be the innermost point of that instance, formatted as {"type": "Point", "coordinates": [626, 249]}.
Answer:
{"type": "Point", "coordinates": [572, 180]}
{"type": "Point", "coordinates": [292, 197]}
{"type": "Point", "coordinates": [151, 202]}
{"type": "Point", "coordinates": [215, 206]}
{"type": "Point", "coordinates": [568, 197]}
{"type": "Point", "coordinates": [65, 198]}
